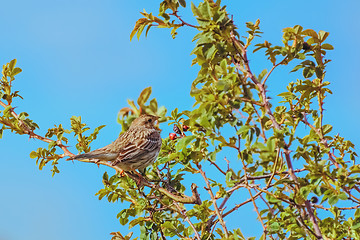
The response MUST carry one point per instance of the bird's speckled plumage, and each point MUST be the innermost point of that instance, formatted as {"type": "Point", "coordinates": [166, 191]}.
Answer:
{"type": "Point", "coordinates": [136, 148]}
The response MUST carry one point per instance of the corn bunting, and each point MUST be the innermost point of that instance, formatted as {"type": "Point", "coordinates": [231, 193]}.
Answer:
{"type": "Point", "coordinates": [137, 148]}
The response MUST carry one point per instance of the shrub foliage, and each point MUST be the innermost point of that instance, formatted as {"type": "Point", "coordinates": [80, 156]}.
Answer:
{"type": "Point", "coordinates": [281, 158]}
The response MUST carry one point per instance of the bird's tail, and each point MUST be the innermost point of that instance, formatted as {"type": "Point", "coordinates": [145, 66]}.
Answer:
{"type": "Point", "coordinates": [94, 155]}
{"type": "Point", "coordinates": [83, 156]}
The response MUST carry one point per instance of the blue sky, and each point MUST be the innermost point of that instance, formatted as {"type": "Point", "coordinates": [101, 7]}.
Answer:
{"type": "Point", "coordinates": [77, 60]}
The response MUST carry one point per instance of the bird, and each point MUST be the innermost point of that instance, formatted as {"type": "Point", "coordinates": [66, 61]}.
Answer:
{"type": "Point", "coordinates": [136, 148]}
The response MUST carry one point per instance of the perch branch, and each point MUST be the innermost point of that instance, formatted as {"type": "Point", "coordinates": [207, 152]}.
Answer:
{"type": "Point", "coordinates": [194, 199]}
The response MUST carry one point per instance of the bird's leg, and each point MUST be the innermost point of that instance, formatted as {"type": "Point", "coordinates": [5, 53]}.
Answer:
{"type": "Point", "coordinates": [140, 177]}
{"type": "Point", "coordinates": [121, 173]}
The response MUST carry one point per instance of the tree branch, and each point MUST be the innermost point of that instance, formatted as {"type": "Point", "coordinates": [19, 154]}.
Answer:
{"type": "Point", "coordinates": [272, 69]}
{"type": "Point", "coordinates": [313, 220]}
{"type": "Point", "coordinates": [243, 54]}
{"type": "Point", "coordinates": [208, 188]}
{"type": "Point", "coordinates": [194, 199]}
{"type": "Point", "coordinates": [182, 21]}
{"type": "Point", "coordinates": [242, 204]}
{"type": "Point", "coordinates": [31, 133]}
{"type": "Point", "coordinates": [183, 213]}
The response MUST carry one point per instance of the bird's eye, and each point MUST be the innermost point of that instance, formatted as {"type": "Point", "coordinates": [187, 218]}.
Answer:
{"type": "Point", "coordinates": [150, 120]}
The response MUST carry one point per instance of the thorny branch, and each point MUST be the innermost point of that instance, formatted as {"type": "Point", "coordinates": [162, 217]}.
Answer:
{"type": "Point", "coordinates": [313, 219]}
{"type": "Point", "coordinates": [242, 51]}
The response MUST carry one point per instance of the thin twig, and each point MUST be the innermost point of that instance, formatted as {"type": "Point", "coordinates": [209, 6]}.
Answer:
{"type": "Point", "coordinates": [340, 208]}
{"type": "Point", "coordinates": [213, 228]}
{"type": "Point", "coordinates": [31, 133]}
{"type": "Point", "coordinates": [208, 188]}
{"type": "Point", "coordinates": [242, 204]}
{"type": "Point", "coordinates": [251, 101]}
{"type": "Point", "coordinates": [290, 167]}
{"type": "Point", "coordinates": [183, 213]}
{"type": "Point", "coordinates": [221, 207]}
{"type": "Point", "coordinates": [213, 163]}
{"type": "Point", "coordinates": [243, 54]}
{"type": "Point", "coordinates": [182, 21]}
{"type": "Point", "coordinates": [274, 170]}
{"type": "Point", "coordinates": [272, 69]}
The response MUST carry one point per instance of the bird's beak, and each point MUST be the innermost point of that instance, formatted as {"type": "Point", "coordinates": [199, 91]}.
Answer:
{"type": "Point", "coordinates": [156, 125]}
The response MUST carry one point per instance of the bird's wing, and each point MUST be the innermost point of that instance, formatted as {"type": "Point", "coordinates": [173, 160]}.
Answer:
{"type": "Point", "coordinates": [142, 143]}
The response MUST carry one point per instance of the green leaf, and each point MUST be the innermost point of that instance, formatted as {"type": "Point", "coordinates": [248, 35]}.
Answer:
{"type": "Point", "coordinates": [195, 10]}
{"type": "Point", "coordinates": [327, 128]}
{"type": "Point", "coordinates": [327, 46]}
{"type": "Point", "coordinates": [310, 33]}
{"type": "Point", "coordinates": [182, 3]}
{"type": "Point", "coordinates": [228, 176]}
{"type": "Point", "coordinates": [243, 129]}
{"type": "Point", "coordinates": [333, 200]}
{"type": "Point", "coordinates": [16, 71]}
{"type": "Point", "coordinates": [343, 196]}
{"type": "Point", "coordinates": [147, 30]}
{"type": "Point", "coordinates": [323, 35]}
{"type": "Point", "coordinates": [355, 225]}
{"type": "Point", "coordinates": [144, 96]}
{"type": "Point", "coordinates": [205, 10]}
{"type": "Point", "coordinates": [308, 72]}
{"type": "Point", "coordinates": [141, 28]}
{"type": "Point", "coordinates": [174, 113]}
{"type": "Point", "coordinates": [6, 111]}
{"type": "Point", "coordinates": [275, 226]}
{"type": "Point", "coordinates": [262, 74]}
{"type": "Point", "coordinates": [211, 52]}
{"type": "Point", "coordinates": [183, 142]}
{"type": "Point", "coordinates": [12, 64]}
{"type": "Point", "coordinates": [105, 176]}
{"type": "Point", "coordinates": [33, 154]}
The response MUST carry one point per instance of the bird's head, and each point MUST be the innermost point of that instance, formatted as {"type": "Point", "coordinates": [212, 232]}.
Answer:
{"type": "Point", "coordinates": [147, 121]}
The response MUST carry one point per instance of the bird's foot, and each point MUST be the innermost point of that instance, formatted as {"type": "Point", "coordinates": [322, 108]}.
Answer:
{"type": "Point", "coordinates": [120, 173]}
{"type": "Point", "coordinates": [140, 178]}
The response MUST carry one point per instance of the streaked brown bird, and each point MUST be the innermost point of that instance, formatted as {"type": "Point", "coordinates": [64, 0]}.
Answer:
{"type": "Point", "coordinates": [136, 148]}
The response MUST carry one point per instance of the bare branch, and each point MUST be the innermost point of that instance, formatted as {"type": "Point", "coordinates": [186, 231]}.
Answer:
{"type": "Point", "coordinates": [183, 213]}
{"type": "Point", "coordinates": [242, 204]}
{"type": "Point", "coordinates": [272, 69]}
{"type": "Point", "coordinates": [208, 188]}
{"type": "Point", "coordinates": [313, 220]}
{"type": "Point", "coordinates": [175, 13]}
